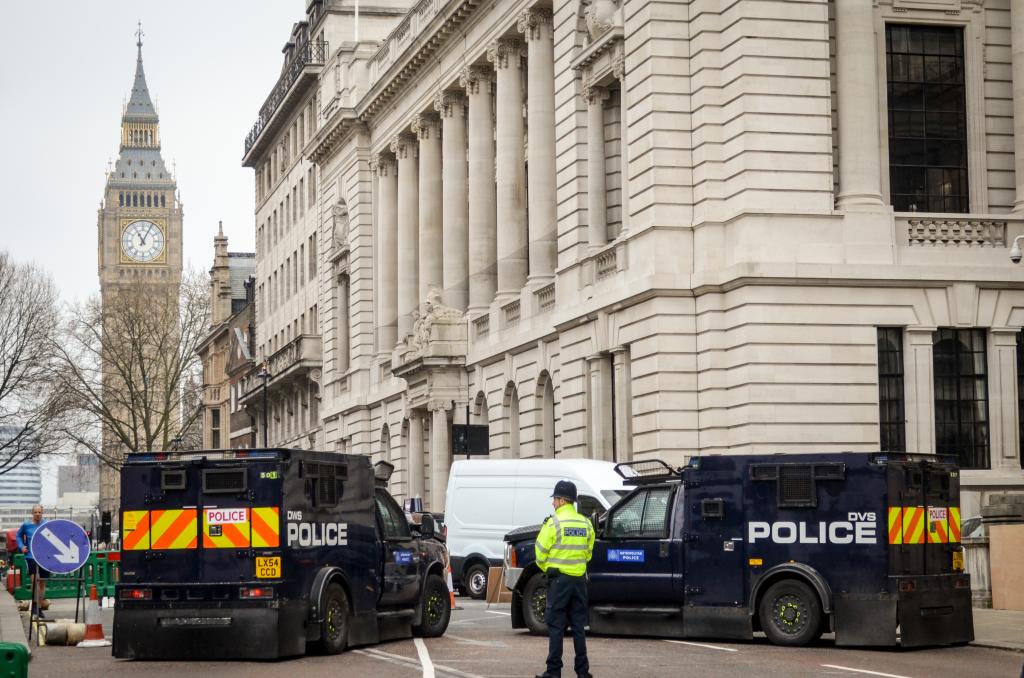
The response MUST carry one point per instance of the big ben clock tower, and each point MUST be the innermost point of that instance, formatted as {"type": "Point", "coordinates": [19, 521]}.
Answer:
{"type": "Point", "coordinates": [140, 231]}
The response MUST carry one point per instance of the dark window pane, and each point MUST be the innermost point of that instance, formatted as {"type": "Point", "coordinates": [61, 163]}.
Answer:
{"type": "Point", "coordinates": [927, 118]}
{"type": "Point", "coordinates": [892, 430]}
{"type": "Point", "coordinates": [961, 395]}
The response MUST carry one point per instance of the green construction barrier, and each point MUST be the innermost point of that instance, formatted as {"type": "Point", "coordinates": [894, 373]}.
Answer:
{"type": "Point", "coordinates": [100, 569]}
{"type": "Point", "coordinates": [13, 660]}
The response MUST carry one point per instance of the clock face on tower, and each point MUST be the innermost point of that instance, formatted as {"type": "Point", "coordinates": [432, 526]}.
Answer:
{"type": "Point", "coordinates": [142, 241]}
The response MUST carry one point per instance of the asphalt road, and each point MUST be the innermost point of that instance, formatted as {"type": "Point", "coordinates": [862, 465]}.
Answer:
{"type": "Point", "coordinates": [480, 643]}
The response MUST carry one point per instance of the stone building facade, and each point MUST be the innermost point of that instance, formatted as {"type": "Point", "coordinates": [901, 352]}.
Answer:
{"type": "Point", "coordinates": [623, 229]}
{"type": "Point", "coordinates": [226, 349]}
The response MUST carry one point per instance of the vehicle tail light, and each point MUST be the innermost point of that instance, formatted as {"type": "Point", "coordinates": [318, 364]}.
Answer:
{"type": "Point", "coordinates": [908, 586]}
{"type": "Point", "coordinates": [513, 560]}
{"type": "Point", "coordinates": [136, 594]}
{"type": "Point", "coordinates": [250, 592]}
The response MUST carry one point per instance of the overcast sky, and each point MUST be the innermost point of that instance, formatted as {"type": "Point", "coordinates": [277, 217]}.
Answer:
{"type": "Point", "coordinates": [67, 68]}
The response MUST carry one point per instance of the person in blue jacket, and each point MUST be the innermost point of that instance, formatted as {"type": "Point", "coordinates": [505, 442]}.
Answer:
{"type": "Point", "coordinates": [24, 537]}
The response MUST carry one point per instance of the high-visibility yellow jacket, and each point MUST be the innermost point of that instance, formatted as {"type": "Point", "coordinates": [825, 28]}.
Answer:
{"type": "Point", "coordinates": [565, 542]}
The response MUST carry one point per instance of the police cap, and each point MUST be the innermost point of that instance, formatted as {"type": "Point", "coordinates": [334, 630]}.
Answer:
{"type": "Point", "coordinates": [565, 489]}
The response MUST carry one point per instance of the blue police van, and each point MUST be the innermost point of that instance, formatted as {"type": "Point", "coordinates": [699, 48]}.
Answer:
{"type": "Point", "coordinates": [254, 554]}
{"type": "Point", "coordinates": [866, 546]}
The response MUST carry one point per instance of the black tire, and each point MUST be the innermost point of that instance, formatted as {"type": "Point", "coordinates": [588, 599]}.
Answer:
{"type": "Point", "coordinates": [436, 610]}
{"type": "Point", "coordinates": [475, 581]}
{"type": "Point", "coordinates": [790, 613]}
{"type": "Point", "coordinates": [535, 600]}
{"type": "Point", "coordinates": [334, 628]}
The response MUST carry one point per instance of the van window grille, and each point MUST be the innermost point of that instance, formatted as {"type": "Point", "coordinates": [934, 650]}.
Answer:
{"type": "Point", "coordinates": [324, 483]}
{"type": "Point", "coordinates": [223, 480]}
{"type": "Point", "coordinates": [172, 480]}
{"type": "Point", "coordinates": [796, 485]}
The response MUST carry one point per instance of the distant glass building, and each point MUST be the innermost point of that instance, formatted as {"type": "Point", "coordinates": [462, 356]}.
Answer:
{"type": "Point", "coordinates": [24, 483]}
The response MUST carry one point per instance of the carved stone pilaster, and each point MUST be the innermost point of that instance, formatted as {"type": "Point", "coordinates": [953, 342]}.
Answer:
{"type": "Point", "coordinates": [473, 78]}
{"type": "Point", "coordinates": [403, 146]}
{"type": "Point", "coordinates": [426, 125]}
{"type": "Point", "coordinates": [594, 93]}
{"type": "Point", "coordinates": [619, 67]}
{"type": "Point", "coordinates": [439, 405]}
{"type": "Point", "coordinates": [384, 165]}
{"type": "Point", "coordinates": [449, 103]}
{"type": "Point", "coordinates": [530, 21]}
{"type": "Point", "coordinates": [505, 53]}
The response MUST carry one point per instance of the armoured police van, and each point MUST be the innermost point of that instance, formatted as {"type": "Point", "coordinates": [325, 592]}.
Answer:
{"type": "Point", "coordinates": [863, 545]}
{"type": "Point", "coordinates": [256, 553]}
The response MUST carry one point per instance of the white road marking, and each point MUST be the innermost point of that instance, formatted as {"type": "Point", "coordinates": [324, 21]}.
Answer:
{"type": "Point", "coordinates": [710, 647]}
{"type": "Point", "coordinates": [507, 614]}
{"type": "Point", "coordinates": [872, 673]}
{"type": "Point", "coordinates": [421, 650]}
{"type": "Point", "coordinates": [408, 661]}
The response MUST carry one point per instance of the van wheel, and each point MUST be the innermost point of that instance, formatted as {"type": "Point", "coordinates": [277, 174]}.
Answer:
{"type": "Point", "coordinates": [790, 613]}
{"type": "Point", "coordinates": [476, 581]}
{"type": "Point", "coordinates": [535, 602]}
{"type": "Point", "coordinates": [437, 611]}
{"type": "Point", "coordinates": [334, 628]}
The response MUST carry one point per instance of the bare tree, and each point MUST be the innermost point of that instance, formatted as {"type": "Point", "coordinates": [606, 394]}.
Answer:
{"type": "Point", "coordinates": [129, 370]}
{"type": "Point", "coordinates": [29, 318]}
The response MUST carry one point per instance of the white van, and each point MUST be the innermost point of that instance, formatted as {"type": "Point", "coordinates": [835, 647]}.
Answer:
{"type": "Point", "coordinates": [488, 498]}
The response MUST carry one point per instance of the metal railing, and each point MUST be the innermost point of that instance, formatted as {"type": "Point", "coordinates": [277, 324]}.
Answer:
{"type": "Point", "coordinates": [306, 54]}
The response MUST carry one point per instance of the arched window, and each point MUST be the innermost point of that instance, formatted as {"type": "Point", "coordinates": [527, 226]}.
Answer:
{"type": "Point", "coordinates": [149, 200]}
{"type": "Point", "coordinates": [511, 407]}
{"type": "Point", "coordinates": [546, 414]}
{"type": "Point", "coordinates": [135, 199]}
{"type": "Point", "coordinates": [163, 200]}
{"type": "Point", "coordinates": [120, 199]}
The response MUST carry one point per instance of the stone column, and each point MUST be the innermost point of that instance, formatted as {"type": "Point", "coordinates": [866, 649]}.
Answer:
{"type": "Point", "coordinates": [342, 324]}
{"type": "Point", "coordinates": [619, 71]}
{"type": "Point", "coordinates": [1003, 398]}
{"type": "Point", "coordinates": [623, 404]}
{"type": "Point", "coordinates": [1017, 68]}
{"type": "Point", "coordinates": [415, 454]}
{"type": "Point", "coordinates": [535, 24]}
{"type": "Point", "coordinates": [404, 148]}
{"type": "Point", "coordinates": [600, 396]}
{"type": "Point", "coordinates": [597, 177]}
{"type": "Point", "coordinates": [440, 452]}
{"type": "Point", "coordinates": [427, 127]}
{"type": "Point", "coordinates": [860, 167]}
{"type": "Point", "coordinates": [454, 205]}
{"type": "Point", "coordinates": [919, 385]}
{"type": "Point", "coordinates": [387, 255]}
{"type": "Point", "coordinates": [506, 55]}
{"type": "Point", "coordinates": [483, 227]}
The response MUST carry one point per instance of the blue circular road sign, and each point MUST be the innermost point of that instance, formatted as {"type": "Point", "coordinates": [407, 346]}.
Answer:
{"type": "Point", "coordinates": [60, 546]}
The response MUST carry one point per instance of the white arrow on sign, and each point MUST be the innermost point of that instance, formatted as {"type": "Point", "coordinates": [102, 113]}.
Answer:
{"type": "Point", "coordinates": [66, 553]}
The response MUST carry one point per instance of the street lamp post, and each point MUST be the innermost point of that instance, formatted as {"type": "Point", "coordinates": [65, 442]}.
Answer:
{"type": "Point", "coordinates": [264, 374]}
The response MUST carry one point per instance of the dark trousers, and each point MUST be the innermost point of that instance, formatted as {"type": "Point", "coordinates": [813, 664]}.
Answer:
{"type": "Point", "coordinates": [567, 606]}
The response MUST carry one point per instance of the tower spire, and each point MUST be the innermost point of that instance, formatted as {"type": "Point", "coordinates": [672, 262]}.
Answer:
{"type": "Point", "coordinates": [140, 106]}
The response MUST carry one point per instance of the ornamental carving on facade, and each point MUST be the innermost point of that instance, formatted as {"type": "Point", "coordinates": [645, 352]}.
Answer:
{"type": "Point", "coordinates": [431, 311]}
{"type": "Point", "coordinates": [425, 124]}
{"type": "Point", "coordinates": [448, 104]}
{"type": "Point", "coordinates": [404, 146]}
{"type": "Point", "coordinates": [530, 21]}
{"type": "Point", "coordinates": [601, 17]}
{"type": "Point", "coordinates": [339, 225]}
{"type": "Point", "coordinates": [505, 52]}
{"type": "Point", "coordinates": [472, 77]}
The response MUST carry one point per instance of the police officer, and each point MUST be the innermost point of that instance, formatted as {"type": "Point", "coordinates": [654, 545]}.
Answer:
{"type": "Point", "coordinates": [564, 547]}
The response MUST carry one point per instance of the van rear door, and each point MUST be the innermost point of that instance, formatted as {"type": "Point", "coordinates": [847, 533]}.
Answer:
{"type": "Point", "coordinates": [923, 517]}
{"type": "Point", "coordinates": [241, 502]}
{"type": "Point", "coordinates": [159, 522]}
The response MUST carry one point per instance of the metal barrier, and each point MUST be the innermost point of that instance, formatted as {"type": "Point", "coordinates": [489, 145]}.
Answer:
{"type": "Point", "coordinates": [102, 569]}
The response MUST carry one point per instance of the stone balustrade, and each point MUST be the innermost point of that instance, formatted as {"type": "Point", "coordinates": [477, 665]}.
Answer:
{"type": "Point", "coordinates": [951, 231]}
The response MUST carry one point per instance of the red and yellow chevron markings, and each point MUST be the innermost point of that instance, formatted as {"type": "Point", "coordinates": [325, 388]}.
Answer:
{"type": "Point", "coordinates": [917, 525]}
{"type": "Point", "coordinates": [165, 530]}
{"type": "Point", "coordinates": [266, 526]}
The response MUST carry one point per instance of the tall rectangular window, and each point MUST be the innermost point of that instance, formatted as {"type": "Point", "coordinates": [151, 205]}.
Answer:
{"type": "Point", "coordinates": [891, 420]}
{"type": "Point", "coordinates": [961, 396]}
{"type": "Point", "coordinates": [927, 119]}
{"type": "Point", "coordinates": [215, 428]}
{"type": "Point", "coordinates": [1020, 396]}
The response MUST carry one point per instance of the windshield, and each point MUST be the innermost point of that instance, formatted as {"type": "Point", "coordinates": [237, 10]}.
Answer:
{"type": "Point", "coordinates": [612, 496]}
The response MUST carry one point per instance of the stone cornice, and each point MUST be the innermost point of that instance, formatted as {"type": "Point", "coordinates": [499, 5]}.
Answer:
{"type": "Point", "coordinates": [401, 56]}
{"type": "Point", "coordinates": [326, 142]}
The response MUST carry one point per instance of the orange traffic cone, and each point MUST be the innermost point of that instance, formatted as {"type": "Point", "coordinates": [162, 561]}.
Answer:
{"type": "Point", "coordinates": [93, 626]}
